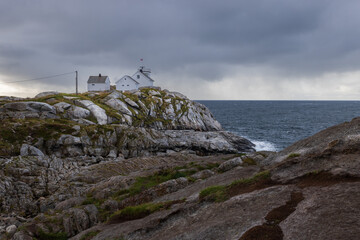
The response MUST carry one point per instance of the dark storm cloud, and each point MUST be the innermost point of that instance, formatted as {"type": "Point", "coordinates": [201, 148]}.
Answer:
{"type": "Point", "coordinates": [295, 37]}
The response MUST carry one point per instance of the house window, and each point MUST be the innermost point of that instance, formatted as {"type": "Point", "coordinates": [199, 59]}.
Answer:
{"type": "Point", "coordinates": [138, 76]}
{"type": "Point", "coordinates": [123, 85]}
{"type": "Point", "coordinates": [93, 84]}
{"type": "Point", "coordinates": [127, 85]}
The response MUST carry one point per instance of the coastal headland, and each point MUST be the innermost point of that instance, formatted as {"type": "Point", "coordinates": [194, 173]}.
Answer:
{"type": "Point", "coordinates": [152, 164]}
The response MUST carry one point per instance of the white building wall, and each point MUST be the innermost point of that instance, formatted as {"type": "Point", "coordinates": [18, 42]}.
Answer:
{"type": "Point", "coordinates": [143, 81]}
{"type": "Point", "coordinates": [125, 84]}
{"type": "Point", "coordinates": [94, 87]}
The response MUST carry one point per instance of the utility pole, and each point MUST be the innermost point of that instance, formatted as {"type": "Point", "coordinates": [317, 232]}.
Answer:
{"type": "Point", "coordinates": [76, 78]}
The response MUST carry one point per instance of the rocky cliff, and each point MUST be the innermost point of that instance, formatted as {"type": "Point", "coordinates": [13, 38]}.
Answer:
{"type": "Point", "coordinates": [129, 124]}
{"type": "Point", "coordinates": [48, 142]}
{"type": "Point", "coordinates": [180, 184]}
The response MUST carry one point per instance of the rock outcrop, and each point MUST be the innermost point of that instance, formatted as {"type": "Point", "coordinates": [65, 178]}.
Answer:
{"type": "Point", "coordinates": [334, 150]}
{"type": "Point", "coordinates": [71, 173]}
{"type": "Point", "coordinates": [22, 110]}
{"type": "Point", "coordinates": [147, 107]}
{"type": "Point", "coordinates": [130, 124]}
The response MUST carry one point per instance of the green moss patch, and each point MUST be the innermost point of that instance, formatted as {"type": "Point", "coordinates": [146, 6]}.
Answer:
{"type": "Point", "coordinates": [52, 236]}
{"type": "Point", "coordinates": [214, 194]}
{"type": "Point", "coordinates": [14, 132]}
{"type": "Point", "coordinates": [248, 161]}
{"type": "Point", "coordinates": [139, 211]}
{"type": "Point", "coordinates": [222, 193]}
{"type": "Point", "coordinates": [293, 155]}
{"type": "Point", "coordinates": [143, 183]}
{"type": "Point", "coordinates": [89, 235]}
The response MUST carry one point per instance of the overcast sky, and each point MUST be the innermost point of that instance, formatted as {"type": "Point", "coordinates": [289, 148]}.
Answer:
{"type": "Point", "coordinates": [237, 49]}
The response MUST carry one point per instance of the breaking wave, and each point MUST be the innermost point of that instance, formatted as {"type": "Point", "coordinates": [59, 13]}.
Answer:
{"type": "Point", "coordinates": [264, 146]}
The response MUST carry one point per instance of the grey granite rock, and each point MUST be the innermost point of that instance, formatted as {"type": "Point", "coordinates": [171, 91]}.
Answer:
{"type": "Point", "coordinates": [119, 106]}
{"type": "Point", "coordinates": [95, 110]}
{"type": "Point", "coordinates": [28, 150]}
{"type": "Point", "coordinates": [45, 94]}
{"type": "Point", "coordinates": [230, 164]}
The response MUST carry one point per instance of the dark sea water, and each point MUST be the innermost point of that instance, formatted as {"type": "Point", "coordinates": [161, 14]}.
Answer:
{"type": "Point", "coordinates": [274, 125]}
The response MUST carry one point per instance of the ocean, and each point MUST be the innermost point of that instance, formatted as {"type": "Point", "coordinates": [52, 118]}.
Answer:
{"type": "Point", "coordinates": [274, 125]}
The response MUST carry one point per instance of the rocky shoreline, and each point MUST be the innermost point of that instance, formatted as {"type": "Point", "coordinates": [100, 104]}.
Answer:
{"type": "Point", "coordinates": [152, 164]}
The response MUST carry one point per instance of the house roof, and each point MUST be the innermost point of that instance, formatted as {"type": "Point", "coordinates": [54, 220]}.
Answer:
{"type": "Point", "coordinates": [97, 79]}
{"type": "Point", "coordinates": [144, 75]}
{"type": "Point", "coordinates": [127, 76]}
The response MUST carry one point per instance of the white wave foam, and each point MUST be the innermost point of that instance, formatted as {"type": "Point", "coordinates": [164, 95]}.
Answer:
{"type": "Point", "coordinates": [264, 146]}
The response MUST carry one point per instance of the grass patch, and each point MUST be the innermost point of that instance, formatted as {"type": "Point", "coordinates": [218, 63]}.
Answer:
{"type": "Point", "coordinates": [257, 177]}
{"type": "Point", "coordinates": [222, 193]}
{"type": "Point", "coordinates": [136, 212]}
{"type": "Point", "coordinates": [293, 155]}
{"type": "Point", "coordinates": [214, 194]}
{"type": "Point", "coordinates": [90, 200]}
{"type": "Point", "coordinates": [248, 161]}
{"type": "Point", "coordinates": [143, 183]}
{"type": "Point", "coordinates": [89, 235]}
{"type": "Point", "coordinates": [14, 132]}
{"type": "Point", "coordinates": [52, 236]}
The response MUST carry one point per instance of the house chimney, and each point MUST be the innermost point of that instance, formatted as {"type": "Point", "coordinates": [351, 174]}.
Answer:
{"type": "Point", "coordinates": [99, 74]}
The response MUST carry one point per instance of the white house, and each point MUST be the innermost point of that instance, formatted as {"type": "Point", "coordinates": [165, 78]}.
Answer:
{"type": "Point", "coordinates": [140, 79]}
{"type": "Point", "coordinates": [127, 83]}
{"type": "Point", "coordinates": [98, 83]}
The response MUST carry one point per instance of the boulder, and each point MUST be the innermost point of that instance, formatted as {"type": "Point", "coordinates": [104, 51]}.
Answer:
{"type": "Point", "coordinates": [28, 150]}
{"type": "Point", "coordinates": [30, 106]}
{"type": "Point", "coordinates": [62, 106]}
{"type": "Point", "coordinates": [114, 94]}
{"type": "Point", "coordinates": [76, 112]}
{"type": "Point", "coordinates": [95, 110]}
{"type": "Point", "coordinates": [230, 164]}
{"type": "Point", "coordinates": [119, 106]}
{"type": "Point", "coordinates": [11, 230]}
{"type": "Point", "coordinates": [131, 103]}
{"type": "Point", "coordinates": [21, 235]}
{"type": "Point", "coordinates": [45, 94]}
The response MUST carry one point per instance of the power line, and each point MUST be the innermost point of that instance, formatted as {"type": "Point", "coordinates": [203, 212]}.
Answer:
{"type": "Point", "coordinates": [40, 78]}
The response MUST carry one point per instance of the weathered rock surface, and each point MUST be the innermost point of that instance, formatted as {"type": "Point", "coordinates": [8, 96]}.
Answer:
{"type": "Point", "coordinates": [21, 110]}
{"type": "Point", "coordinates": [167, 176]}
{"type": "Point", "coordinates": [45, 94]}
{"type": "Point", "coordinates": [335, 150]}
{"type": "Point", "coordinates": [230, 164]}
{"type": "Point", "coordinates": [27, 150]}
{"type": "Point", "coordinates": [326, 212]}
{"type": "Point", "coordinates": [147, 107]}
{"type": "Point", "coordinates": [227, 220]}
{"type": "Point", "coordinates": [95, 110]}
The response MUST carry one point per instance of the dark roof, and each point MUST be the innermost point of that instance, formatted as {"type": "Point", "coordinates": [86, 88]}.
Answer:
{"type": "Point", "coordinates": [97, 79]}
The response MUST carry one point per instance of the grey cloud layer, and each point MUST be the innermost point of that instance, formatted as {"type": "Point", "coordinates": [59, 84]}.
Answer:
{"type": "Point", "coordinates": [295, 37]}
